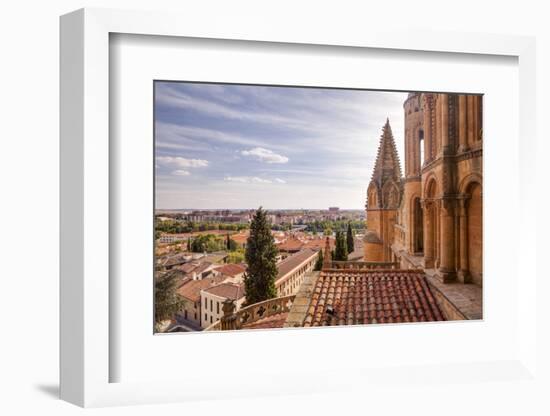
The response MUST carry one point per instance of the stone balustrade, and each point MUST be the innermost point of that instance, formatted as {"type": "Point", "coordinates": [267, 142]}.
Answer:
{"type": "Point", "coordinates": [362, 265]}
{"type": "Point", "coordinates": [252, 313]}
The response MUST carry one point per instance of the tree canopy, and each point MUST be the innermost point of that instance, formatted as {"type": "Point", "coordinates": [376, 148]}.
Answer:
{"type": "Point", "coordinates": [349, 239]}
{"type": "Point", "coordinates": [260, 256]}
{"type": "Point", "coordinates": [341, 250]}
{"type": "Point", "coordinates": [167, 300]}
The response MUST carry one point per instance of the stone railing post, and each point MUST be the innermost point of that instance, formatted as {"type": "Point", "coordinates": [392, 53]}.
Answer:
{"type": "Point", "coordinates": [229, 319]}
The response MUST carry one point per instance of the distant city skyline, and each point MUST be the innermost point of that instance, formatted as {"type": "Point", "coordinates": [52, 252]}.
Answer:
{"type": "Point", "coordinates": [222, 146]}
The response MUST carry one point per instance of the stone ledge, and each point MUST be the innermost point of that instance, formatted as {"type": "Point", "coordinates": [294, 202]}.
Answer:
{"type": "Point", "coordinates": [298, 310]}
{"type": "Point", "coordinates": [458, 300]}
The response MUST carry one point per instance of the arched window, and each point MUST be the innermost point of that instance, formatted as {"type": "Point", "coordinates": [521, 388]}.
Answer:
{"type": "Point", "coordinates": [421, 144]}
{"type": "Point", "coordinates": [418, 227]}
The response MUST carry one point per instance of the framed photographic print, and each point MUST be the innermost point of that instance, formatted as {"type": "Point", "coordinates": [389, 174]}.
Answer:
{"type": "Point", "coordinates": [317, 206]}
{"type": "Point", "coordinates": [319, 253]}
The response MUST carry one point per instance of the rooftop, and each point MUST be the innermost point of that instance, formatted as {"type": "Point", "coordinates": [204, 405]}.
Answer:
{"type": "Point", "coordinates": [231, 269]}
{"type": "Point", "coordinates": [352, 297]}
{"type": "Point", "coordinates": [227, 290]}
{"type": "Point", "coordinates": [273, 321]}
{"type": "Point", "coordinates": [192, 289]}
{"type": "Point", "coordinates": [291, 244]}
{"type": "Point", "coordinates": [291, 262]}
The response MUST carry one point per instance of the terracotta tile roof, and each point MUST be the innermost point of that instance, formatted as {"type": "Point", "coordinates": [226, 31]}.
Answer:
{"type": "Point", "coordinates": [227, 290]}
{"type": "Point", "coordinates": [350, 297]}
{"type": "Point", "coordinates": [294, 261]}
{"type": "Point", "coordinates": [231, 269]}
{"type": "Point", "coordinates": [202, 267]}
{"type": "Point", "coordinates": [291, 244]}
{"type": "Point", "coordinates": [188, 267]}
{"type": "Point", "coordinates": [319, 243]}
{"type": "Point", "coordinates": [273, 321]}
{"type": "Point", "coordinates": [176, 259]}
{"type": "Point", "coordinates": [192, 289]}
{"type": "Point", "coordinates": [240, 238]}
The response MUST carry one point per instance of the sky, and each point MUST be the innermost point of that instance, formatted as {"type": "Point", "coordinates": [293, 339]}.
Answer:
{"type": "Point", "coordinates": [241, 146]}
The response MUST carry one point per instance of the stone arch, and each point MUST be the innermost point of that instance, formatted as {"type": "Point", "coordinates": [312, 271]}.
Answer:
{"type": "Point", "coordinates": [416, 222]}
{"type": "Point", "coordinates": [431, 223]}
{"type": "Point", "coordinates": [431, 188]}
{"type": "Point", "coordinates": [469, 179]}
{"type": "Point", "coordinates": [471, 229]}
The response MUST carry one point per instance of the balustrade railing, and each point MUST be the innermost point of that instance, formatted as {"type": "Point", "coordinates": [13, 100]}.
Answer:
{"type": "Point", "coordinates": [362, 265]}
{"type": "Point", "coordinates": [252, 313]}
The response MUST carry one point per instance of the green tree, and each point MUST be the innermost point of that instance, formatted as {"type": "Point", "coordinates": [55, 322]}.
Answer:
{"type": "Point", "coordinates": [341, 250]}
{"type": "Point", "coordinates": [230, 244]}
{"type": "Point", "coordinates": [349, 239]}
{"type": "Point", "coordinates": [167, 300]}
{"type": "Point", "coordinates": [319, 262]}
{"type": "Point", "coordinates": [236, 256]}
{"type": "Point", "coordinates": [260, 256]}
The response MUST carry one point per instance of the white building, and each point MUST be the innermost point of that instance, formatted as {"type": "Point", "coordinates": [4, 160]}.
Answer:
{"type": "Point", "coordinates": [292, 271]}
{"type": "Point", "coordinates": [212, 300]}
{"type": "Point", "coordinates": [172, 238]}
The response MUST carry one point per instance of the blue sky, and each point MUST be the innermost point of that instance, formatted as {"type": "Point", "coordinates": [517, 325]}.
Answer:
{"type": "Point", "coordinates": [239, 146]}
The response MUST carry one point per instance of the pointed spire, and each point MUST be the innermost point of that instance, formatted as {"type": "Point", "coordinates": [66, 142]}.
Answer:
{"type": "Point", "coordinates": [327, 260]}
{"type": "Point", "coordinates": [387, 160]}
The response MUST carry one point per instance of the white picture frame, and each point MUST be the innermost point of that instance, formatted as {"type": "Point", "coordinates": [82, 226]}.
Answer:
{"type": "Point", "coordinates": [85, 203]}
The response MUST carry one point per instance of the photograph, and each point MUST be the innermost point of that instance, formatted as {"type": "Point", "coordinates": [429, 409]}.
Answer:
{"type": "Point", "coordinates": [297, 206]}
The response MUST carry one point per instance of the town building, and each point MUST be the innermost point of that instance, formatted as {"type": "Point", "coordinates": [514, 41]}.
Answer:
{"type": "Point", "coordinates": [233, 272]}
{"type": "Point", "coordinates": [212, 298]}
{"type": "Point", "coordinates": [292, 270]}
{"type": "Point", "coordinates": [166, 238]}
{"type": "Point", "coordinates": [190, 291]}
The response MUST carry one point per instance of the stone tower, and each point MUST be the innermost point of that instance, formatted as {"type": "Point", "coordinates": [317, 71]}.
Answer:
{"type": "Point", "coordinates": [384, 196]}
{"type": "Point", "coordinates": [412, 218]}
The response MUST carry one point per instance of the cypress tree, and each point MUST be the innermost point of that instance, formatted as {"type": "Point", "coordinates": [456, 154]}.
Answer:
{"type": "Point", "coordinates": [349, 239]}
{"type": "Point", "coordinates": [340, 251]}
{"type": "Point", "coordinates": [319, 262]}
{"type": "Point", "coordinates": [260, 256]}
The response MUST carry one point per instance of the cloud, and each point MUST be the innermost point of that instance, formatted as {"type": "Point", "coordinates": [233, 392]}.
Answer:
{"type": "Point", "coordinates": [246, 179]}
{"type": "Point", "coordinates": [265, 155]}
{"type": "Point", "coordinates": [181, 172]}
{"type": "Point", "coordinates": [279, 180]}
{"type": "Point", "coordinates": [183, 162]}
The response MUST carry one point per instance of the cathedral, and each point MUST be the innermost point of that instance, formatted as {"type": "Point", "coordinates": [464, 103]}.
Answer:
{"type": "Point", "coordinates": [430, 217]}
{"type": "Point", "coordinates": [423, 241]}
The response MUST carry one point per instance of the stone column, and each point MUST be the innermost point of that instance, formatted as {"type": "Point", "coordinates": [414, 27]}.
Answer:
{"type": "Point", "coordinates": [462, 124]}
{"type": "Point", "coordinates": [470, 99]}
{"type": "Point", "coordinates": [446, 270]}
{"type": "Point", "coordinates": [444, 98]}
{"type": "Point", "coordinates": [427, 209]}
{"type": "Point", "coordinates": [464, 270]}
